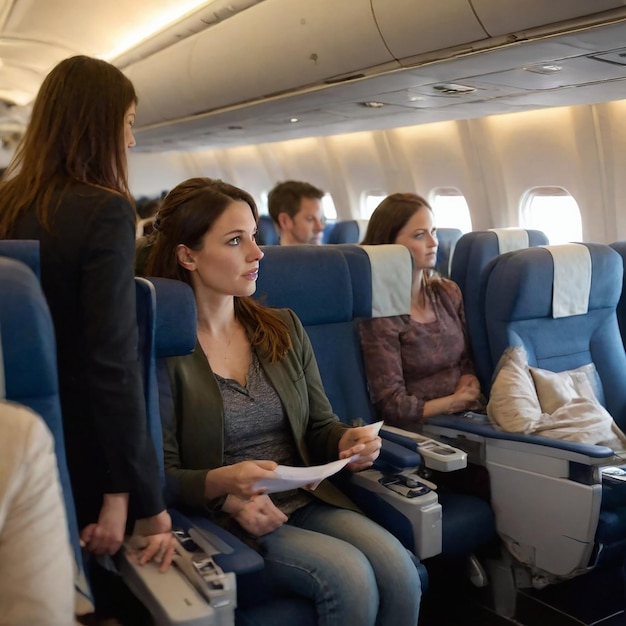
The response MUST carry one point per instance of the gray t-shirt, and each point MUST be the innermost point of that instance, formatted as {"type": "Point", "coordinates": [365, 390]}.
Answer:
{"type": "Point", "coordinates": [256, 428]}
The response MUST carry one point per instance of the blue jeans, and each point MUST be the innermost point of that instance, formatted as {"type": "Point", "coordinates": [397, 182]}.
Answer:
{"type": "Point", "coordinates": [350, 567]}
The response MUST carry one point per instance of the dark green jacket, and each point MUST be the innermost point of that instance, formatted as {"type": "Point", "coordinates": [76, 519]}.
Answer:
{"type": "Point", "coordinates": [193, 440]}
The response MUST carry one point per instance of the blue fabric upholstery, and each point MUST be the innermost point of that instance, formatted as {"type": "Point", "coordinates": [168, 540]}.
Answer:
{"type": "Point", "coordinates": [266, 234]}
{"type": "Point", "coordinates": [472, 253]}
{"type": "Point", "coordinates": [620, 248]}
{"type": "Point", "coordinates": [24, 250]}
{"type": "Point", "coordinates": [347, 231]}
{"type": "Point", "coordinates": [29, 356]}
{"type": "Point", "coordinates": [447, 238]}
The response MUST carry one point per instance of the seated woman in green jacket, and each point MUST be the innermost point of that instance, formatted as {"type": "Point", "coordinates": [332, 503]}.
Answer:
{"type": "Point", "coordinates": [250, 397]}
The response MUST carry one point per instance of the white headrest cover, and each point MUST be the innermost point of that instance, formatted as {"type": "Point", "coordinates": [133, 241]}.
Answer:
{"type": "Point", "coordinates": [510, 239]}
{"type": "Point", "coordinates": [362, 224]}
{"type": "Point", "coordinates": [392, 276]}
{"type": "Point", "coordinates": [572, 279]}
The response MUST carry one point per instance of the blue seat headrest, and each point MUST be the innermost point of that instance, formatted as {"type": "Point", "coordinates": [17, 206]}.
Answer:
{"type": "Point", "coordinates": [24, 315]}
{"type": "Point", "coordinates": [24, 250]}
{"type": "Point", "coordinates": [312, 280]}
{"type": "Point", "coordinates": [175, 324]}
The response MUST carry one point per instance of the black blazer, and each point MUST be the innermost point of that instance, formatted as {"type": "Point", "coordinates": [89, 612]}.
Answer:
{"type": "Point", "coordinates": [87, 261]}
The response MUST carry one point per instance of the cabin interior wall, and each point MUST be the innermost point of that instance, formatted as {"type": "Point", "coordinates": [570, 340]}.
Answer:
{"type": "Point", "coordinates": [494, 161]}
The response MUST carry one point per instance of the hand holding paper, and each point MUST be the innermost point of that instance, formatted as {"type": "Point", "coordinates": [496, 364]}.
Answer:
{"type": "Point", "coordinates": [363, 441]}
{"type": "Point", "coordinates": [294, 477]}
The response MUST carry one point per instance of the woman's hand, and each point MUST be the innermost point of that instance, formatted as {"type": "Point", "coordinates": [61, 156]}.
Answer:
{"type": "Point", "coordinates": [258, 516]}
{"type": "Point", "coordinates": [238, 479]}
{"type": "Point", "coordinates": [363, 441]}
{"type": "Point", "coordinates": [152, 539]}
{"type": "Point", "coordinates": [468, 381]}
{"type": "Point", "coordinates": [466, 396]}
{"type": "Point", "coordinates": [106, 536]}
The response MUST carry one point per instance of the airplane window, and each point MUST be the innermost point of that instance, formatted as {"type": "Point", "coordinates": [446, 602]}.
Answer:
{"type": "Point", "coordinates": [369, 201]}
{"type": "Point", "coordinates": [450, 209]}
{"type": "Point", "coordinates": [554, 211]}
{"type": "Point", "coordinates": [262, 206]}
{"type": "Point", "coordinates": [328, 207]}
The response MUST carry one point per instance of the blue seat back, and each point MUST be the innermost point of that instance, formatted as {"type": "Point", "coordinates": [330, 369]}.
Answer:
{"type": "Point", "coordinates": [266, 233]}
{"type": "Point", "coordinates": [620, 248]}
{"type": "Point", "coordinates": [447, 238]}
{"type": "Point", "coordinates": [347, 231]}
{"type": "Point", "coordinates": [472, 253]}
{"type": "Point", "coordinates": [29, 357]}
{"type": "Point", "coordinates": [316, 282]}
{"type": "Point", "coordinates": [24, 250]}
{"type": "Point", "coordinates": [519, 310]}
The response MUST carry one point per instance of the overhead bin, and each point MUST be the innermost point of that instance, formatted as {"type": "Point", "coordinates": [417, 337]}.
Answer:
{"type": "Point", "coordinates": [281, 47]}
{"type": "Point", "coordinates": [502, 17]}
{"type": "Point", "coordinates": [248, 58]}
{"type": "Point", "coordinates": [411, 28]}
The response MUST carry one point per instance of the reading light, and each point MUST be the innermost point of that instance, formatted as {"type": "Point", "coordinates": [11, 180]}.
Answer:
{"type": "Point", "coordinates": [453, 89]}
{"type": "Point", "coordinates": [543, 69]}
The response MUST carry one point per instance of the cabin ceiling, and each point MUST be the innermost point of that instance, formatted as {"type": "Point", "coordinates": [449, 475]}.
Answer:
{"type": "Point", "coordinates": [220, 74]}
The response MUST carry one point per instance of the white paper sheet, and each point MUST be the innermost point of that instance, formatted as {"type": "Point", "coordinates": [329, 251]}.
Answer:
{"type": "Point", "coordinates": [288, 477]}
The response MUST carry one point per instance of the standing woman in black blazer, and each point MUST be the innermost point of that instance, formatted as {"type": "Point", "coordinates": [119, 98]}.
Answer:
{"type": "Point", "coordinates": [67, 187]}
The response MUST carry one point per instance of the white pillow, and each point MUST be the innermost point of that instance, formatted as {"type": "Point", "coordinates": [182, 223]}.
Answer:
{"type": "Point", "coordinates": [555, 389]}
{"type": "Point", "coordinates": [513, 403]}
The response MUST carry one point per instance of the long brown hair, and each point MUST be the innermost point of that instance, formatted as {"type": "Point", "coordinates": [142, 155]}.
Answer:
{"type": "Point", "coordinates": [391, 216]}
{"type": "Point", "coordinates": [187, 214]}
{"type": "Point", "coordinates": [76, 134]}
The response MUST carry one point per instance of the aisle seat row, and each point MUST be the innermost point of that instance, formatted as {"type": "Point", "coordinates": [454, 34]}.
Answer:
{"type": "Point", "coordinates": [166, 318]}
{"type": "Point", "coordinates": [353, 231]}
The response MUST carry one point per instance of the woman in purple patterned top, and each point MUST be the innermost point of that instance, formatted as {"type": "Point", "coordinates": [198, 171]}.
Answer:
{"type": "Point", "coordinates": [417, 365]}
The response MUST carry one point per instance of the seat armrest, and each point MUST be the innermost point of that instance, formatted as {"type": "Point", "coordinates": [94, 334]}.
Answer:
{"type": "Point", "coordinates": [436, 455]}
{"type": "Point", "coordinates": [230, 553]}
{"type": "Point", "coordinates": [397, 455]}
{"type": "Point", "coordinates": [459, 426]}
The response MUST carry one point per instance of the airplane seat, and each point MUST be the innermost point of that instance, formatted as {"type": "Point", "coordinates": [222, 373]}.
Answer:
{"type": "Point", "coordinates": [472, 252]}
{"type": "Point", "coordinates": [266, 233]}
{"type": "Point", "coordinates": [347, 231]}
{"type": "Point", "coordinates": [30, 370]}
{"type": "Point", "coordinates": [558, 511]}
{"type": "Point", "coordinates": [447, 238]}
{"type": "Point", "coordinates": [328, 229]}
{"type": "Point", "coordinates": [167, 323]}
{"type": "Point", "coordinates": [620, 248]}
{"type": "Point", "coordinates": [24, 250]}
{"type": "Point", "coordinates": [468, 521]}
{"type": "Point", "coordinates": [330, 288]}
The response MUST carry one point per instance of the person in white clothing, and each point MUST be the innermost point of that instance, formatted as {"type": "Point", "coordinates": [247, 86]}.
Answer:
{"type": "Point", "coordinates": [36, 563]}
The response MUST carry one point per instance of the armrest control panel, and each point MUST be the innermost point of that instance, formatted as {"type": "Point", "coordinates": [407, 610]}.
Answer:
{"type": "Point", "coordinates": [437, 456]}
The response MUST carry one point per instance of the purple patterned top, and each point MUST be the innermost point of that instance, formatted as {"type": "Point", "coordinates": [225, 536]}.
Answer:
{"type": "Point", "coordinates": [408, 363]}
